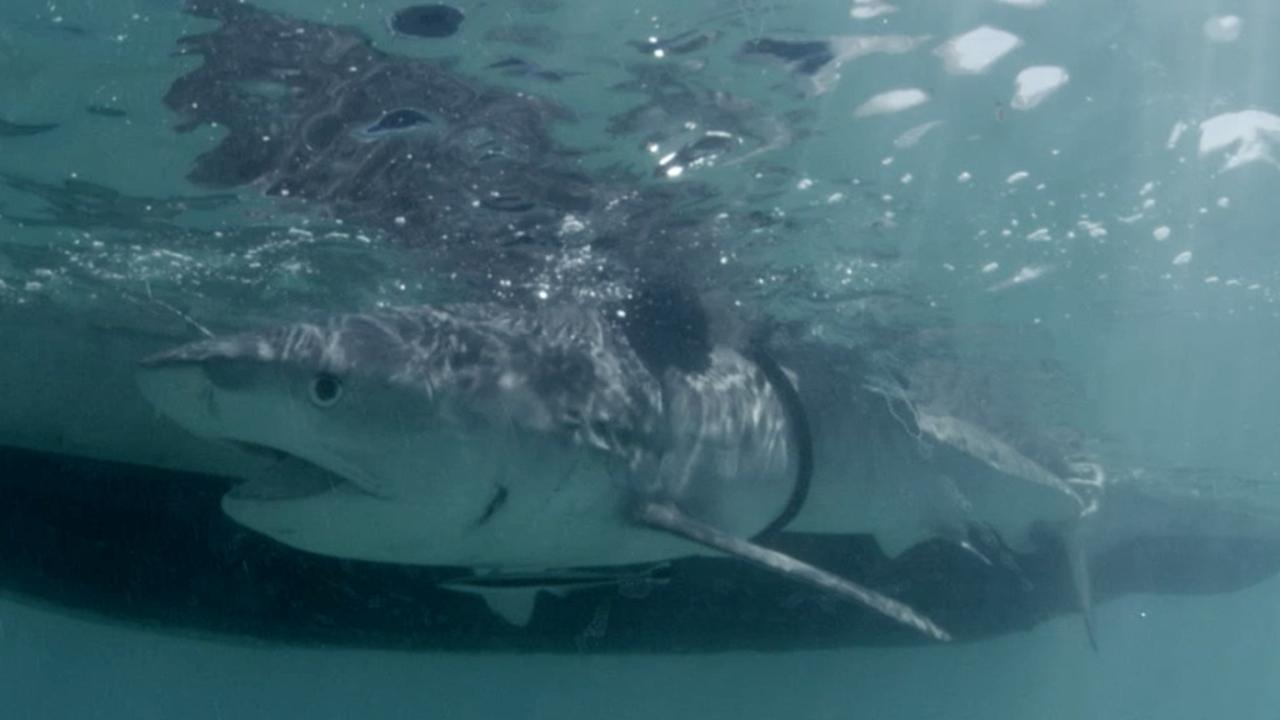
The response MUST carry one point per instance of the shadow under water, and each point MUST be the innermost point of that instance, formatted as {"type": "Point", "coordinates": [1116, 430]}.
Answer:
{"type": "Point", "coordinates": [153, 548]}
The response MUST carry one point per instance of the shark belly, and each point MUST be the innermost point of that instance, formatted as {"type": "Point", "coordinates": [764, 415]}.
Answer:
{"type": "Point", "coordinates": [582, 525]}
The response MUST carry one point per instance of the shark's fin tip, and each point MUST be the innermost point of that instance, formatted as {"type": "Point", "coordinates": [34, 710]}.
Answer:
{"type": "Point", "coordinates": [667, 517]}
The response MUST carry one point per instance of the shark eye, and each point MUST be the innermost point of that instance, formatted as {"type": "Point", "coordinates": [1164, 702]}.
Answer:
{"type": "Point", "coordinates": [326, 390]}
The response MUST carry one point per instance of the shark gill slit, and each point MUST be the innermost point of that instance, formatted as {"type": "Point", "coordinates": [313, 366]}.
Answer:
{"type": "Point", "coordinates": [495, 503]}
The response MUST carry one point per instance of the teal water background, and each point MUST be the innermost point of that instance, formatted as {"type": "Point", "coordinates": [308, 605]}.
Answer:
{"type": "Point", "coordinates": [1163, 658]}
{"type": "Point", "coordinates": [1132, 254]}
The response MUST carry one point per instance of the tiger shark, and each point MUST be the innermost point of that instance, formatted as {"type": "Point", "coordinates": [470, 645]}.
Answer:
{"type": "Point", "coordinates": [562, 437]}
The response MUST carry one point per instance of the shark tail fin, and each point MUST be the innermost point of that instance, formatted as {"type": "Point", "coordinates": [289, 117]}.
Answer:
{"type": "Point", "coordinates": [666, 517]}
{"type": "Point", "coordinates": [1081, 581]}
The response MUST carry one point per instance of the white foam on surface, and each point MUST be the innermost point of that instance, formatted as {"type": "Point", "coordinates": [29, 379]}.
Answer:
{"type": "Point", "coordinates": [1247, 136]}
{"type": "Point", "coordinates": [913, 136]}
{"type": "Point", "coordinates": [1092, 228]}
{"type": "Point", "coordinates": [869, 9]}
{"type": "Point", "coordinates": [975, 51]}
{"type": "Point", "coordinates": [892, 101]}
{"type": "Point", "coordinates": [1035, 84]}
{"type": "Point", "coordinates": [1023, 276]}
{"type": "Point", "coordinates": [847, 48]}
{"type": "Point", "coordinates": [1223, 28]}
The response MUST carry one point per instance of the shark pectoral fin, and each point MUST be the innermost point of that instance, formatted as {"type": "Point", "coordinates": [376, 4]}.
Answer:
{"type": "Point", "coordinates": [515, 605]}
{"type": "Point", "coordinates": [667, 517]}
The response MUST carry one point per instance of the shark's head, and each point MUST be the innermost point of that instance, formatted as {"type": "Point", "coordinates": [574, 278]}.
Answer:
{"type": "Point", "coordinates": [434, 424]}
{"type": "Point", "coordinates": [343, 394]}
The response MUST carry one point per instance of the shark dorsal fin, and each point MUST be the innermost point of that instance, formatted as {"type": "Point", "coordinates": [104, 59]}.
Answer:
{"type": "Point", "coordinates": [665, 516]}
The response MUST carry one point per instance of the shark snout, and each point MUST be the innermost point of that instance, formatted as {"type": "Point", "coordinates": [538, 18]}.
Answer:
{"type": "Point", "coordinates": [185, 382]}
{"type": "Point", "coordinates": [181, 391]}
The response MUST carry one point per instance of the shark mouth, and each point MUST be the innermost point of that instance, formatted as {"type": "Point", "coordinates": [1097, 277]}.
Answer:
{"type": "Point", "coordinates": [287, 477]}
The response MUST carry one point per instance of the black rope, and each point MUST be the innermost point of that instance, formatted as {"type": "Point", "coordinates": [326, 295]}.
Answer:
{"type": "Point", "coordinates": [801, 436]}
